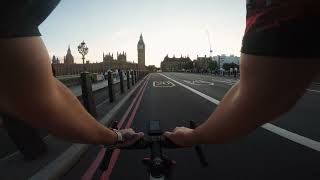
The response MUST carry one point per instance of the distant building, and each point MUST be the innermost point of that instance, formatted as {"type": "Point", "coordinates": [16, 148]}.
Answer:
{"type": "Point", "coordinates": [122, 57]}
{"type": "Point", "coordinates": [141, 53]}
{"type": "Point", "coordinates": [108, 58]}
{"type": "Point", "coordinates": [174, 64]}
{"type": "Point", "coordinates": [121, 60]}
{"type": "Point", "coordinates": [55, 60]}
{"type": "Point", "coordinates": [227, 59]}
{"type": "Point", "coordinates": [76, 69]}
{"type": "Point", "coordinates": [202, 63]}
{"type": "Point", "coordinates": [68, 59]}
{"type": "Point", "coordinates": [70, 68]}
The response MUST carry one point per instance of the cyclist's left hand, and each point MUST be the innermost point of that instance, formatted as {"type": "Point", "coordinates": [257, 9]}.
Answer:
{"type": "Point", "coordinates": [129, 137]}
{"type": "Point", "coordinates": [181, 136]}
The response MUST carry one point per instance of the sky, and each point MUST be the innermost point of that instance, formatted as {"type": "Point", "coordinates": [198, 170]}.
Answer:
{"type": "Point", "coordinates": [169, 27]}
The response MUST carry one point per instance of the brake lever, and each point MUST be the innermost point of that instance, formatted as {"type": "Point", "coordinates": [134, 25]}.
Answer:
{"type": "Point", "coordinates": [198, 149]}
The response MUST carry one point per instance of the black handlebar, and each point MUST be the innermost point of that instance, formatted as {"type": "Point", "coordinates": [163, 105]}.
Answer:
{"type": "Point", "coordinates": [147, 142]}
{"type": "Point", "coordinates": [158, 164]}
{"type": "Point", "coordinates": [198, 149]}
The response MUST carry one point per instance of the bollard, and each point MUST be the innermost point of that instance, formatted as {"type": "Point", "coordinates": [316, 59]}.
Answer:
{"type": "Point", "coordinates": [121, 81]}
{"type": "Point", "coordinates": [132, 78]}
{"type": "Point", "coordinates": [128, 79]}
{"type": "Point", "coordinates": [26, 138]}
{"type": "Point", "coordinates": [87, 94]}
{"type": "Point", "coordinates": [110, 87]}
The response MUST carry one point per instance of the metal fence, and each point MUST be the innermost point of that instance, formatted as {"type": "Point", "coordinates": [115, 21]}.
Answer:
{"type": "Point", "coordinates": [29, 141]}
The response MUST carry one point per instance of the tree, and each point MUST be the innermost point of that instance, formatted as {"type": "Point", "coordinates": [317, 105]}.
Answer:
{"type": "Point", "coordinates": [188, 65]}
{"type": "Point", "coordinates": [151, 68]}
{"type": "Point", "coordinates": [227, 66]}
{"type": "Point", "coordinates": [213, 65]}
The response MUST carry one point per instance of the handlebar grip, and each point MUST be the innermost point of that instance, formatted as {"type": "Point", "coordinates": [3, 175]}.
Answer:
{"type": "Point", "coordinates": [167, 143]}
{"type": "Point", "coordinates": [140, 144]}
{"type": "Point", "coordinates": [193, 125]}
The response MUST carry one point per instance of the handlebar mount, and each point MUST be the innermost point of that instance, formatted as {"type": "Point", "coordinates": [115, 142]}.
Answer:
{"type": "Point", "coordinates": [158, 165]}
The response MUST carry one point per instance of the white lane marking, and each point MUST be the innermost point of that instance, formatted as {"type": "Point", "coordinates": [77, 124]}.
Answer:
{"type": "Point", "coordinates": [194, 91]}
{"type": "Point", "coordinates": [312, 90]}
{"type": "Point", "coordinates": [199, 82]}
{"type": "Point", "coordinates": [270, 127]}
{"type": "Point", "coordinates": [191, 82]}
{"type": "Point", "coordinates": [163, 84]}
{"type": "Point", "coordinates": [293, 137]}
{"type": "Point", "coordinates": [206, 82]}
{"type": "Point", "coordinates": [225, 82]}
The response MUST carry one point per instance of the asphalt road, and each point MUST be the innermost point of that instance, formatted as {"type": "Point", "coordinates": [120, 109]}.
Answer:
{"type": "Point", "coordinates": [264, 154]}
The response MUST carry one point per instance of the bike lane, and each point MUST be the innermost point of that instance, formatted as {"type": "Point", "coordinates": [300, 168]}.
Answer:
{"type": "Point", "coordinates": [261, 155]}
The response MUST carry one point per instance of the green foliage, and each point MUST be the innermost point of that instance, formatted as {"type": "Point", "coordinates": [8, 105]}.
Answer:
{"type": "Point", "coordinates": [227, 66]}
{"type": "Point", "coordinates": [188, 65]}
{"type": "Point", "coordinates": [213, 65]}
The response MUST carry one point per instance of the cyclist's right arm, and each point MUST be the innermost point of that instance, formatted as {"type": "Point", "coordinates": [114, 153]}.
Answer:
{"type": "Point", "coordinates": [268, 87]}
{"type": "Point", "coordinates": [30, 93]}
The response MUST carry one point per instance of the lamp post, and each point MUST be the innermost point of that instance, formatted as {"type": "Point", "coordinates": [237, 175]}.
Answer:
{"type": "Point", "coordinates": [83, 50]}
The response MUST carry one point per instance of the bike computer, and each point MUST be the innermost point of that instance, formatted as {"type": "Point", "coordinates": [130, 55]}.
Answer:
{"type": "Point", "coordinates": [154, 128]}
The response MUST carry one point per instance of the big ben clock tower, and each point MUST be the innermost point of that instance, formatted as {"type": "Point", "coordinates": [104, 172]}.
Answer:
{"type": "Point", "coordinates": [141, 54]}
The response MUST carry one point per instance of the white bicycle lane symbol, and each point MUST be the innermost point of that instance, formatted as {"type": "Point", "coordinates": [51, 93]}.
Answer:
{"type": "Point", "coordinates": [163, 84]}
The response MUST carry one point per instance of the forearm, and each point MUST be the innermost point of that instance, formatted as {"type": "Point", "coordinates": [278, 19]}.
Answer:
{"type": "Point", "coordinates": [33, 95]}
{"type": "Point", "coordinates": [64, 116]}
{"type": "Point", "coordinates": [240, 113]}
{"type": "Point", "coordinates": [268, 87]}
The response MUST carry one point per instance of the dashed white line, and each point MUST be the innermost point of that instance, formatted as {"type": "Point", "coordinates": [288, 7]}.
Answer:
{"type": "Point", "coordinates": [312, 90]}
{"type": "Point", "coordinates": [270, 127]}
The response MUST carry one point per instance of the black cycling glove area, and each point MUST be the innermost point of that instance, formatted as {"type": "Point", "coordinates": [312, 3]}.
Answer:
{"type": "Point", "coordinates": [21, 18]}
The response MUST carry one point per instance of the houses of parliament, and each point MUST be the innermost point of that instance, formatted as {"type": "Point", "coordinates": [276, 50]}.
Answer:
{"type": "Point", "coordinates": [109, 61]}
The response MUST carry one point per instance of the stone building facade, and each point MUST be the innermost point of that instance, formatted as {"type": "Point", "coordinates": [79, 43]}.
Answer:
{"type": "Point", "coordinates": [141, 54]}
{"type": "Point", "coordinates": [109, 63]}
{"type": "Point", "coordinates": [174, 64]}
{"type": "Point", "coordinates": [69, 59]}
{"type": "Point", "coordinates": [202, 63]}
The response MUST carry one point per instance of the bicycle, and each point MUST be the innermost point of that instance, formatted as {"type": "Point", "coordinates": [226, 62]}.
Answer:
{"type": "Point", "coordinates": [158, 165]}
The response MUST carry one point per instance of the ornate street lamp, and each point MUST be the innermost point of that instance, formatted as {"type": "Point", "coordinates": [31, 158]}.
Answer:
{"type": "Point", "coordinates": [83, 50]}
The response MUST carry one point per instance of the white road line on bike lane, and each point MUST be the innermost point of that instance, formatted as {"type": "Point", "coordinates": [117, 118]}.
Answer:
{"type": "Point", "coordinates": [115, 155]}
{"type": "Point", "coordinates": [307, 142]}
{"type": "Point", "coordinates": [93, 167]}
{"type": "Point", "coordinates": [312, 90]}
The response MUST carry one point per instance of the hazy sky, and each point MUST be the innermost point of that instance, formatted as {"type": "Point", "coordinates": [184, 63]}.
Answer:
{"type": "Point", "coordinates": [171, 27]}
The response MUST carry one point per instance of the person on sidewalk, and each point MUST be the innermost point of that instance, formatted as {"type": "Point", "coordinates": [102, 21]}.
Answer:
{"type": "Point", "coordinates": [32, 94]}
{"type": "Point", "coordinates": [281, 38]}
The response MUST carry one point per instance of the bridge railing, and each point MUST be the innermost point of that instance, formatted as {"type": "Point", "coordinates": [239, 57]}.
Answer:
{"type": "Point", "coordinates": [29, 141]}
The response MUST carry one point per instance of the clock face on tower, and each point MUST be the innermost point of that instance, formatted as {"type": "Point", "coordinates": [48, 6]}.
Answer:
{"type": "Point", "coordinates": [140, 46]}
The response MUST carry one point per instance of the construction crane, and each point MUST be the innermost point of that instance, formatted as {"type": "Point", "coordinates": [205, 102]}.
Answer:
{"type": "Point", "coordinates": [208, 34]}
{"type": "Point", "coordinates": [210, 45]}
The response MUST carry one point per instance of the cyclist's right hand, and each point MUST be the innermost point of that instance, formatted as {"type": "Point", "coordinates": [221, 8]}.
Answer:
{"type": "Point", "coordinates": [182, 136]}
